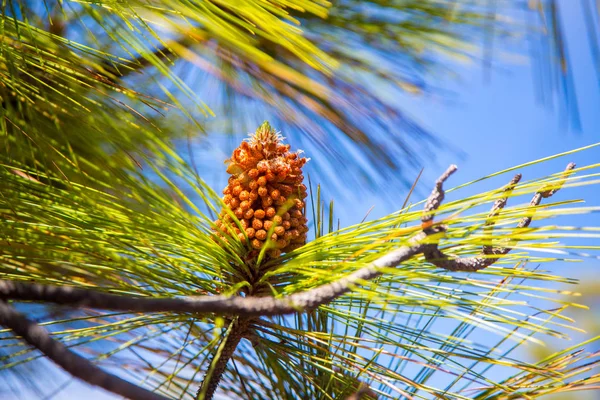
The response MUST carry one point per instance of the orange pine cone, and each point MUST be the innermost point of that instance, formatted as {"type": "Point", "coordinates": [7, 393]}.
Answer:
{"type": "Point", "coordinates": [266, 193]}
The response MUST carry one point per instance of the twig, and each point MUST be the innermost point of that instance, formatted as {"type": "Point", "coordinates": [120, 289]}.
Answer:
{"type": "Point", "coordinates": [72, 363]}
{"type": "Point", "coordinates": [496, 208]}
{"type": "Point", "coordinates": [235, 332]}
{"type": "Point", "coordinates": [436, 197]}
{"type": "Point", "coordinates": [471, 264]}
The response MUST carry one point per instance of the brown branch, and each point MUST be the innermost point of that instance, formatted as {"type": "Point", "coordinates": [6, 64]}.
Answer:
{"type": "Point", "coordinates": [496, 208]}
{"type": "Point", "coordinates": [299, 302]}
{"type": "Point", "coordinates": [72, 363]}
{"type": "Point", "coordinates": [471, 264]}
{"type": "Point", "coordinates": [436, 197]}
{"type": "Point", "coordinates": [218, 364]}
{"type": "Point", "coordinates": [243, 306]}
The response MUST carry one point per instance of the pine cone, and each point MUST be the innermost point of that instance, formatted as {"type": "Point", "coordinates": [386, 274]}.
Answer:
{"type": "Point", "coordinates": [266, 193]}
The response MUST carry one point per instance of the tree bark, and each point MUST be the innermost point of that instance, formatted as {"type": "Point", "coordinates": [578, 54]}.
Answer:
{"type": "Point", "coordinates": [218, 364]}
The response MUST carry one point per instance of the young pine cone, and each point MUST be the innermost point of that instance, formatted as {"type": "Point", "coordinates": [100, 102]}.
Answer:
{"type": "Point", "coordinates": [266, 193]}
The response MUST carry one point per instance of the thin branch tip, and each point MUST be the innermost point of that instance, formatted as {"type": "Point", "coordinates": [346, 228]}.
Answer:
{"type": "Point", "coordinates": [436, 197]}
{"type": "Point", "coordinates": [449, 171]}
{"type": "Point", "coordinates": [489, 254]}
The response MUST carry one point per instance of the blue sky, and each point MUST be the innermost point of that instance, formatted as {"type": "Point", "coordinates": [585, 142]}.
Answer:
{"type": "Point", "coordinates": [500, 122]}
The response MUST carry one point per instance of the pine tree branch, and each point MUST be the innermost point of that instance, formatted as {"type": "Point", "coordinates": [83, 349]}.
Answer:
{"type": "Point", "coordinates": [235, 332]}
{"type": "Point", "coordinates": [72, 363]}
{"type": "Point", "coordinates": [298, 302]}
{"type": "Point", "coordinates": [240, 306]}
{"type": "Point", "coordinates": [471, 264]}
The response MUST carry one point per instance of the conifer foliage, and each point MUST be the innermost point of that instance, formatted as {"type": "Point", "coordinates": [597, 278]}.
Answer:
{"type": "Point", "coordinates": [121, 265]}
